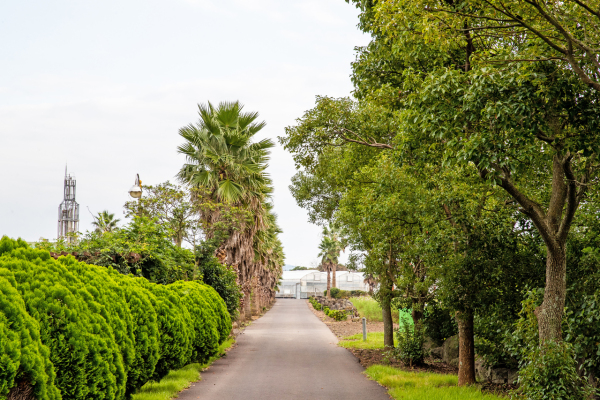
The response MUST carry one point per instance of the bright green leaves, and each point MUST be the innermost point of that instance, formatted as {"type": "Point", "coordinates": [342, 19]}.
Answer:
{"type": "Point", "coordinates": [24, 360]}
{"type": "Point", "coordinates": [104, 334]}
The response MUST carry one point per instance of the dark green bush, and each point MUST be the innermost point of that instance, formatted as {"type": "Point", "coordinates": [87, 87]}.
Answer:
{"type": "Point", "coordinates": [174, 327]}
{"type": "Point", "coordinates": [410, 343]}
{"type": "Point", "coordinates": [220, 277]}
{"type": "Point", "coordinates": [86, 358]}
{"type": "Point", "coordinates": [551, 373]}
{"type": "Point", "coordinates": [357, 293]}
{"type": "Point", "coordinates": [203, 320]}
{"type": "Point", "coordinates": [215, 301]}
{"type": "Point", "coordinates": [438, 323]}
{"type": "Point", "coordinates": [24, 360]}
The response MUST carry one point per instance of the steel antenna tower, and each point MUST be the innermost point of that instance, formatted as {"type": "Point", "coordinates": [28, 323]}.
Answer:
{"type": "Point", "coordinates": [68, 211]}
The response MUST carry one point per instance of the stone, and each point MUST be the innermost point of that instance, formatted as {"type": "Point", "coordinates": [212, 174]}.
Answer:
{"type": "Point", "coordinates": [437, 352]}
{"type": "Point", "coordinates": [499, 375]}
{"type": "Point", "coordinates": [450, 353]}
{"type": "Point", "coordinates": [482, 373]}
{"type": "Point", "coordinates": [512, 376]}
{"type": "Point", "coordinates": [428, 344]}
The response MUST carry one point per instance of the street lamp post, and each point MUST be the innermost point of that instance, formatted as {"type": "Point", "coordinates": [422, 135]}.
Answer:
{"type": "Point", "coordinates": [136, 192]}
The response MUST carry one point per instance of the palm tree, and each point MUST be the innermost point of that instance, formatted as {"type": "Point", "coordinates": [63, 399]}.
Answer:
{"type": "Point", "coordinates": [229, 168]}
{"type": "Point", "coordinates": [105, 222]}
{"type": "Point", "coordinates": [331, 246]}
{"type": "Point", "coordinates": [221, 157]}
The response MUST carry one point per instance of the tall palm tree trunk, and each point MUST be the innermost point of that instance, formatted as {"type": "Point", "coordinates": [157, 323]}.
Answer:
{"type": "Point", "coordinates": [328, 283]}
{"type": "Point", "coordinates": [334, 282]}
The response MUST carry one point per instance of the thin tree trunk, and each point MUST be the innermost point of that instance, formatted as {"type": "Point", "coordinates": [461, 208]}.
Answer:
{"type": "Point", "coordinates": [333, 279]}
{"type": "Point", "coordinates": [417, 312]}
{"type": "Point", "coordinates": [388, 323]}
{"type": "Point", "coordinates": [550, 312]}
{"type": "Point", "coordinates": [466, 348]}
{"type": "Point", "coordinates": [328, 283]}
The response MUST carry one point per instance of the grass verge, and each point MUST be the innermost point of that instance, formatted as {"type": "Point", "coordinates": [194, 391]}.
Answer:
{"type": "Point", "coordinates": [369, 308]}
{"type": "Point", "coordinates": [374, 341]}
{"type": "Point", "coordinates": [176, 381]}
{"type": "Point", "coordinates": [405, 385]}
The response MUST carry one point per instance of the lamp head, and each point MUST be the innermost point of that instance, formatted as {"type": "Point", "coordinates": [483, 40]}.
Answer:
{"type": "Point", "coordinates": [136, 189]}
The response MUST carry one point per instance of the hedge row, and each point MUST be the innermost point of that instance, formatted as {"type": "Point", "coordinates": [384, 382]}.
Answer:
{"type": "Point", "coordinates": [338, 315]}
{"type": "Point", "coordinates": [76, 331]}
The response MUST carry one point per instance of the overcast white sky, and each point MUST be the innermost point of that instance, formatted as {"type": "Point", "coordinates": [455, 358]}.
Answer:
{"type": "Point", "coordinates": [105, 85]}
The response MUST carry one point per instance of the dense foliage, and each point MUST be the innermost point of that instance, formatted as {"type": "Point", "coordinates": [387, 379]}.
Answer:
{"type": "Point", "coordinates": [81, 331]}
{"type": "Point", "coordinates": [464, 174]}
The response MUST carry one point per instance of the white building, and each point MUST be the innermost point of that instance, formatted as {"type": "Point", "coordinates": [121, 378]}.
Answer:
{"type": "Point", "coordinates": [303, 284]}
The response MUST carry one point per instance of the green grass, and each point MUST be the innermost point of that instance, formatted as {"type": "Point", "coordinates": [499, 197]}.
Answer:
{"type": "Point", "coordinates": [405, 385]}
{"type": "Point", "coordinates": [374, 341]}
{"type": "Point", "coordinates": [176, 381]}
{"type": "Point", "coordinates": [367, 307]}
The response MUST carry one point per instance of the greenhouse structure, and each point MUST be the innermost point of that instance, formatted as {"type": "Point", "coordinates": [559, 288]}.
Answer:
{"type": "Point", "coordinates": [303, 284]}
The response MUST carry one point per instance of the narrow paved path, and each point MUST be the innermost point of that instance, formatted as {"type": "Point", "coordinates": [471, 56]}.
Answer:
{"type": "Point", "coordinates": [285, 355]}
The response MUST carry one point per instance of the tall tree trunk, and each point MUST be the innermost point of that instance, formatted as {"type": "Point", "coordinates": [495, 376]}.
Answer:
{"type": "Point", "coordinates": [550, 312]}
{"type": "Point", "coordinates": [466, 348]}
{"type": "Point", "coordinates": [333, 279]}
{"type": "Point", "coordinates": [247, 306]}
{"type": "Point", "coordinates": [388, 323]}
{"type": "Point", "coordinates": [328, 283]}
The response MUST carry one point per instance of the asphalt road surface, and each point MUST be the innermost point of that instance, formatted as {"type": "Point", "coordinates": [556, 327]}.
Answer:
{"type": "Point", "coordinates": [287, 354]}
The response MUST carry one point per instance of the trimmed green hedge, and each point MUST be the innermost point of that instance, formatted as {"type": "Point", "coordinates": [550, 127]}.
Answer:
{"type": "Point", "coordinates": [23, 357]}
{"type": "Point", "coordinates": [76, 331]}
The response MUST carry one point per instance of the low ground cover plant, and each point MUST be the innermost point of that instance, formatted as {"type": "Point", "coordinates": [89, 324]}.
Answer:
{"type": "Point", "coordinates": [374, 341]}
{"type": "Point", "coordinates": [338, 315]}
{"type": "Point", "coordinates": [370, 309]}
{"type": "Point", "coordinates": [76, 331]}
{"type": "Point", "coordinates": [405, 385]}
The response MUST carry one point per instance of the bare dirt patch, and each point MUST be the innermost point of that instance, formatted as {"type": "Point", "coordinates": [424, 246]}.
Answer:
{"type": "Point", "coordinates": [368, 357]}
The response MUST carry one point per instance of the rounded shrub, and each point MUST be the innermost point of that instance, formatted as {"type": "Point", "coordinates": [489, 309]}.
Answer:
{"type": "Point", "coordinates": [116, 310]}
{"type": "Point", "coordinates": [205, 339]}
{"type": "Point", "coordinates": [25, 364]}
{"type": "Point", "coordinates": [145, 330]}
{"type": "Point", "coordinates": [175, 330]}
{"type": "Point", "coordinates": [219, 307]}
{"type": "Point", "coordinates": [83, 350]}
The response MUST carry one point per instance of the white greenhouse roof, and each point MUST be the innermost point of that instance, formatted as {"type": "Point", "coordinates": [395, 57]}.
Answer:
{"type": "Point", "coordinates": [296, 275]}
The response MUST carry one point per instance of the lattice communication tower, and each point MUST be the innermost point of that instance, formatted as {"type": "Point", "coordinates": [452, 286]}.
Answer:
{"type": "Point", "coordinates": [68, 211]}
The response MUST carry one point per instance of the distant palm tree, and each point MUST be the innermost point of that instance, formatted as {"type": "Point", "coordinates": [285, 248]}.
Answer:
{"type": "Point", "coordinates": [331, 246]}
{"type": "Point", "coordinates": [105, 222]}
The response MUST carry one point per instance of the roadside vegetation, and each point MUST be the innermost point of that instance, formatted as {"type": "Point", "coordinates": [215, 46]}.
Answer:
{"type": "Point", "coordinates": [177, 380]}
{"type": "Point", "coordinates": [405, 385]}
{"type": "Point", "coordinates": [374, 341]}
{"type": "Point", "coordinates": [370, 309]}
{"type": "Point", "coordinates": [462, 178]}
{"type": "Point", "coordinates": [103, 313]}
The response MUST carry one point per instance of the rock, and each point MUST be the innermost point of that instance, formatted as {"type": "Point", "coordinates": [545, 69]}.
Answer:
{"type": "Point", "coordinates": [450, 353]}
{"type": "Point", "coordinates": [437, 352]}
{"type": "Point", "coordinates": [512, 376]}
{"type": "Point", "coordinates": [482, 373]}
{"type": "Point", "coordinates": [499, 375]}
{"type": "Point", "coordinates": [428, 344]}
